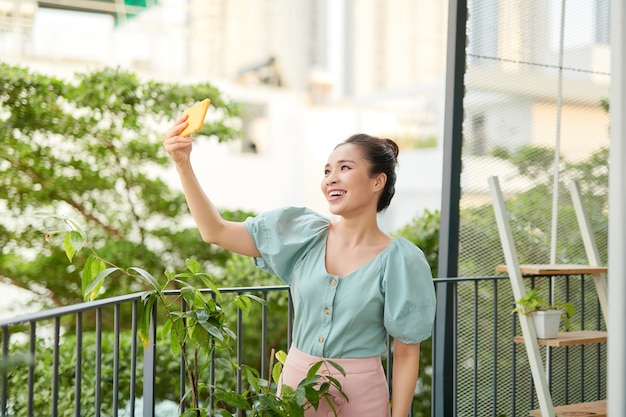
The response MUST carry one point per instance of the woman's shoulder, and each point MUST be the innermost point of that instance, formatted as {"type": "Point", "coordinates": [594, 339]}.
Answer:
{"type": "Point", "coordinates": [403, 254]}
{"type": "Point", "coordinates": [404, 246]}
{"type": "Point", "coordinates": [291, 221]}
{"type": "Point", "coordinates": [296, 214]}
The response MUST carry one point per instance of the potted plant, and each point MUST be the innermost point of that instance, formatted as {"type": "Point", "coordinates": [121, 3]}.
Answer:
{"type": "Point", "coordinates": [546, 317]}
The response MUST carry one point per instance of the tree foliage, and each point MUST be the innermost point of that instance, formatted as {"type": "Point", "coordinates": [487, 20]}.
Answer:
{"type": "Point", "coordinates": [90, 148]}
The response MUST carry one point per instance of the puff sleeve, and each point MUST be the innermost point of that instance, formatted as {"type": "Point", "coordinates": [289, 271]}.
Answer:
{"type": "Point", "coordinates": [283, 236]}
{"type": "Point", "coordinates": [409, 294]}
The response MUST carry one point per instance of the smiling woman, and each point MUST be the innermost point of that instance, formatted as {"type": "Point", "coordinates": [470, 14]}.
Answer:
{"type": "Point", "coordinates": [352, 284]}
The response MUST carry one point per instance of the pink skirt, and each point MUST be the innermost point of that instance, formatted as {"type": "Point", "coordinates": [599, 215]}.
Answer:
{"type": "Point", "coordinates": [365, 385]}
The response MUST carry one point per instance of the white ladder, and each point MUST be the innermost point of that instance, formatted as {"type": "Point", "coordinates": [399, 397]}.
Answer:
{"type": "Point", "coordinates": [519, 289]}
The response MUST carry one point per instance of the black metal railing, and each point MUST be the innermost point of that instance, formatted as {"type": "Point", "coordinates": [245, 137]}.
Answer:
{"type": "Point", "coordinates": [492, 375]}
{"type": "Point", "coordinates": [86, 359]}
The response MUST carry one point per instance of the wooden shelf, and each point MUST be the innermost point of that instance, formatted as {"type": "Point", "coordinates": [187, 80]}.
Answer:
{"type": "Point", "coordinates": [570, 338]}
{"type": "Point", "coordinates": [590, 409]}
{"type": "Point", "coordinates": [557, 269]}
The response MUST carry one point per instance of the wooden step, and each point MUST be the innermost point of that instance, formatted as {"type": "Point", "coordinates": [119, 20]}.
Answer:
{"type": "Point", "coordinates": [581, 337]}
{"type": "Point", "coordinates": [556, 269]}
{"type": "Point", "coordinates": [590, 409]}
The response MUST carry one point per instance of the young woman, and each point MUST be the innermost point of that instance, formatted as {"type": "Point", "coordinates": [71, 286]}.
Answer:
{"type": "Point", "coordinates": [351, 283]}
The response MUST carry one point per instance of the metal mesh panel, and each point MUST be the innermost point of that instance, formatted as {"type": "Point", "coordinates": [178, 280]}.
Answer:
{"type": "Point", "coordinates": [520, 108]}
{"type": "Point", "coordinates": [537, 86]}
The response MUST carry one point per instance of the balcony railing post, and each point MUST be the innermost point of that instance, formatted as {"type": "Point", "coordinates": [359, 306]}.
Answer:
{"type": "Point", "coordinates": [444, 336]}
{"type": "Point", "coordinates": [5, 378]}
{"type": "Point", "coordinates": [78, 373]}
{"type": "Point", "coordinates": [149, 364]}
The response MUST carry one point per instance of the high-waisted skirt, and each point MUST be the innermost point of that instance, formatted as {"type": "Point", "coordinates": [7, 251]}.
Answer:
{"type": "Point", "coordinates": [364, 384]}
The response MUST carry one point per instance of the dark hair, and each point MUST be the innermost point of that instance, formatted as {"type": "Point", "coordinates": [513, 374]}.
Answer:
{"type": "Point", "coordinates": [383, 156]}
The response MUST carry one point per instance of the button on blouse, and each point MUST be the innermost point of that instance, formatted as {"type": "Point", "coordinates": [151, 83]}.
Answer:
{"type": "Point", "coordinates": [350, 316]}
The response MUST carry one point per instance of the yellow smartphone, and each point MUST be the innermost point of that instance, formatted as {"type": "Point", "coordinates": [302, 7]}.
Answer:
{"type": "Point", "coordinates": [196, 113]}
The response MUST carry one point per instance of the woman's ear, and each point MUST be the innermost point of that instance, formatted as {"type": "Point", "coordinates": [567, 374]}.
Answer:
{"type": "Point", "coordinates": [379, 181]}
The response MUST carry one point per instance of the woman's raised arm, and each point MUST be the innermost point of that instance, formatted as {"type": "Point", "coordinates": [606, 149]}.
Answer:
{"type": "Point", "coordinates": [214, 229]}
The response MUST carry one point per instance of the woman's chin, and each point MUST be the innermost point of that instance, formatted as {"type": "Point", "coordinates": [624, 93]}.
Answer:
{"type": "Point", "coordinates": [334, 209]}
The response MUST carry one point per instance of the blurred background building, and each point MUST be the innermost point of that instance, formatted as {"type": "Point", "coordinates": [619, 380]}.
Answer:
{"type": "Point", "coordinates": [309, 72]}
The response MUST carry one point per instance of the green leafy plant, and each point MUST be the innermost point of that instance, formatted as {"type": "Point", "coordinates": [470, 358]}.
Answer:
{"type": "Point", "coordinates": [197, 331]}
{"type": "Point", "coordinates": [532, 301]}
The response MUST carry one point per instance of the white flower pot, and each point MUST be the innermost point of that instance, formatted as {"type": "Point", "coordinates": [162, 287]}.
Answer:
{"type": "Point", "coordinates": [547, 323]}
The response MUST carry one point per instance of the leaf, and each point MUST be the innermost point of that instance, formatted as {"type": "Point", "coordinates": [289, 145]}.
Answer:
{"type": "Point", "coordinates": [300, 396]}
{"type": "Point", "coordinates": [229, 332]}
{"type": "Point", "coordinates": [177, 337]}
{"type": "Point", "coordinates": [312, 395]}
{"type": "Point", "coordinates": [147, 277]}
{"type": "Point", "coordinates": [189, 295]}
{"type": "Point", "coordinates": [313, 369]}
{"type": "Point", "coordinates": [270, 403]}
{"type": "Point", "coordinates": [193, 265]}
{"type": "Point", "coordinates": [76, 228]}
{"type": "Point", "coordinates": [281, 356]}
{"type": "Point", "coordinates": [331, 405]}
{"type": "Point", "coordinates": [323, 388]}
{"type": "Point", "coordinates": [337, 367]}
{"type": "Point", "coordinates": [200, 339]}
{"type": "Point", "coordinates": [77, 240]}
{"type": "Point", "coordinates": [93, 266]}
{"type": "Point", "coordinates": [210, 284]}
{"type": "Point", "coordinates": [243, 303]}
{"type": "Point", "coordinates": [295, 409]}
{"type": "Point", "coordinates": [190, 322]}
{"type": "Point", "coordinates": [212, 329]}
{"type": "Point", "coordinates": [225, 363]}
{"type": "Point", "coordinates": [276, 372]}
{"type": "Point", "coordinates": [68, 248]}
{"type": "Point", "coordinates": [91, 292]}
{"type": "Point", "coordinates": [166, 329]}
{"type": "Point", "coordinates": [144, 321]}
{"type": "Point", "coordinates": [336, 384]}
{"type": "Point", "coordinates": [309, 381]}
{"type": "Point", "coordinates": [252, 376]}
{"type": "Point", "coordinates": [236, 400]}
{"type": "Point", "coordinates": [258, 299]}
{"type": "Point", "coordinates": [202, 315]}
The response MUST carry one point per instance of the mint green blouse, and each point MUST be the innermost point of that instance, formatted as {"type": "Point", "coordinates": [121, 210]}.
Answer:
{"type": "Point", "coordinates": [350, 316]}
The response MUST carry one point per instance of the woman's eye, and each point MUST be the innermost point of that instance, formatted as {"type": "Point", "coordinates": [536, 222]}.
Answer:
{"type": "Point", "coordinates": [326, 171]}
{"type": "Point", "coordinates": [345, 167]}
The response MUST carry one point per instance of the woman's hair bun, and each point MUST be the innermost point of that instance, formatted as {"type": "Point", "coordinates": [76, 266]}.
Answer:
{"type": "Point", "coordinates": [394, 147]}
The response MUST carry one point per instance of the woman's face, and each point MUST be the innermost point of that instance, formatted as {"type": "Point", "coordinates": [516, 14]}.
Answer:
{"type": "Point", "coordinates": [347, 185]}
